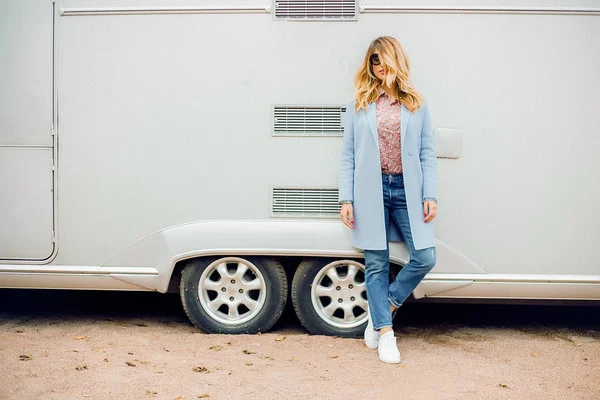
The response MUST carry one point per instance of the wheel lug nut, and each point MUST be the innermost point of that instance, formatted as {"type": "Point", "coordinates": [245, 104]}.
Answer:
{"type": "Point", "coordinates": [338, 288]}
{"type": "Point", "coordinates": [231, 298]}
{"type": "Point", "coordinates": [241, 290]}
{"type": "Point", "coordinates": [340, 300]}
{"type": "Point", "coordinates": [223, 289]}
{"type": "Point", "coordinates": [233, 281]}
{"type": "Point", "coordinates": [352, 298]}
{"type": "Point", "coordinates": [350, 286]}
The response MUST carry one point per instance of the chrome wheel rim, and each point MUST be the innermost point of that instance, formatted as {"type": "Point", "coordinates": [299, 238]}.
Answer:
{"type": "Point", "coordinates": [232, 290]}
{"type": "Point", "coordinates": [339, 294]}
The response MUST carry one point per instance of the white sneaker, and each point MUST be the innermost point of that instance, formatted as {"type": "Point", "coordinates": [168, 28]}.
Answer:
{"type": "Point", "coordinates": [388, 350]}
{"type": "Point", "coordinates": [371, 335]}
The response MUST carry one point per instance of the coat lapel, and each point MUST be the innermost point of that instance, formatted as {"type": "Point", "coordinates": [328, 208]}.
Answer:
{"type": "Point", "coordinates": [372, 117]}
{"type": "Point", "coordinates": [404, 116]}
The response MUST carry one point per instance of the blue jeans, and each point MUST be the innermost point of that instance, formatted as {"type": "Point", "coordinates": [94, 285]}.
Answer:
{"type": "Point", "coordinates": [380, 292]}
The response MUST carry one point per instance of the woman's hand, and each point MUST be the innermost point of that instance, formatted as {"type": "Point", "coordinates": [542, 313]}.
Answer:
{"type": "Point", "coordinates": [347, 215]}
{"type": "Point", "coordinates": [429, 210]}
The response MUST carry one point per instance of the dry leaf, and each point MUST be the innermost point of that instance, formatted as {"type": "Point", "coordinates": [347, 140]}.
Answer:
{"type": "Point", "coordinates": [200, 369]}
{"type": "Point", "coordinates": [281, 339]}
{"type": "Point", "coordinates": [81, 367]}
{"type": "Point", "coordinates": [248, 364]}
{"type": "Point", "coordinates": [105, 360]}
{"type": "Point", "coordinates": [80, 337]}
{"type": "Point", "coordinates": [248, 352]}
{"type": "Point", "coordinates": [334, 357]}
{"type": "Point", "coordinates": [25, 357]}
{"type": "Point", "coordinates": [504, 385]}
{"type": "Point", "coordinates": [178, 397]}
{"type": "Point", "coordinates": [151, 393]}
{"type": "Point", "coordinates": [130, 363]}
{"type": "Point", "coordinates": [532, 355]}
{"type": "Point", "coordinates": [215, 347]}
{"type": "Point", "coordinates": [203, 396]}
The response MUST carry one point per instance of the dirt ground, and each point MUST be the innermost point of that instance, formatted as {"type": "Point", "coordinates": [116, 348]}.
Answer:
{"type": "Point", "coordinates": [92, 345]}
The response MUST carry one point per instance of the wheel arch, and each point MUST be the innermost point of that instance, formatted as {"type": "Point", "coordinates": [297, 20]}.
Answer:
{"type": "Point", "coordinates": [167, 250]}
{"type": "Point", "coordinates": [171, 249]}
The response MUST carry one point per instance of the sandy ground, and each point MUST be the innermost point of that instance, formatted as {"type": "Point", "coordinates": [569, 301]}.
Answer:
{"type": "Point", "coordinates": [90, 345]}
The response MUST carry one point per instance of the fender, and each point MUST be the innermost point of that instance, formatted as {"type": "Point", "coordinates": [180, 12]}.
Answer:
{"type": "Point", "coordinates": [163, 249]}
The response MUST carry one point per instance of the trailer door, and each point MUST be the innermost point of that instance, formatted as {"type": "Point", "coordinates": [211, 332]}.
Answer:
{"type": "Point", "coordinates": [26, 129]}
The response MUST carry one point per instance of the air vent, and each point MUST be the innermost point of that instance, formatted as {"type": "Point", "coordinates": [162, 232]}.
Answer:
{"type": "Point", "coordinates": [321, 203]}
{"type": "Point", "coordinates": [316, 9]}
{"type": "Point", "coordinates": [308, 121]}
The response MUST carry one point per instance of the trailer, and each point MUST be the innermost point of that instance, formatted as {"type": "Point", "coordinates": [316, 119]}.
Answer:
{"type": "Point", "coordinates": [193, 146]}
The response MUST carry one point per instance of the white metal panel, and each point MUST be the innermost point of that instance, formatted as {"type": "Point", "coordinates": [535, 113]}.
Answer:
{"type": "Point", "coordinates": [532, 4]}
{"type": "Point", "coordinates": [160, 3]}
{"type": "Point", "coordinates": [363, 3]}
{"type": "Point", "coordinates": [166, 119]}
{"type": "Point", "coordinates": [77, 281]}
{"type": "Point", "coordinates": [524, 92]}
{"type": "Point", "coordinates": [26, 213]}
{"type": "Point", "coordinates": [522, 290]}
{"type": "Point", "coordinates": [26, 72]}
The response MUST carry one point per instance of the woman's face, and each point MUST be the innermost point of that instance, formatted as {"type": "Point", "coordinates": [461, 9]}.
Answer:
{"type": "Point", "coordinates": [378, 68]}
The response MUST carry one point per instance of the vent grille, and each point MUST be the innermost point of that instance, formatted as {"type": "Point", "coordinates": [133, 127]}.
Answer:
{"type": "Point", "coordinates": [316, 9]}
{"type": "Point", "coordinates": [305, 202]}
{"type": "Point", "coordinates": [308, 121]}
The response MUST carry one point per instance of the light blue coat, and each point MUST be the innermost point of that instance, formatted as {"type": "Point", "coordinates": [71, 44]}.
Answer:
{"type": "Point", "coordinates": [360, 176]}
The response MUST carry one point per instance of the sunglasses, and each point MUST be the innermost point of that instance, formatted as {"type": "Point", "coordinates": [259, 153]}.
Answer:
{"type": "Point", "coordinates": [374, 59]}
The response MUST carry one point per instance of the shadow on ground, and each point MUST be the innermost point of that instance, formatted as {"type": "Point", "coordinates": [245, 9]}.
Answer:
{"type": "Point", "coordinates": [414, 316]}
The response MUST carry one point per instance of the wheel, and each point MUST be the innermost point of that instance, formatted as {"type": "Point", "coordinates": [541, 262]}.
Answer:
{"type": "Point", "coordinates": [233, 294]}
{"type": "Point", "coordinates": [330, 296]}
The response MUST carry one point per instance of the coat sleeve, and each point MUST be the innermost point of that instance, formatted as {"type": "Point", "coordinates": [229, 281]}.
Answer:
{"type": "Point", "coordinates": [346, 178]}
{"type": "Point", "coordinates": [428, 157]}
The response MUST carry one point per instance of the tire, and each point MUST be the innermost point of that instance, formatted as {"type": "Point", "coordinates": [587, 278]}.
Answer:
{"type": "Point", "coordinates": [210, 287]}
{"type": "Point", "coordinates": [330, 297]}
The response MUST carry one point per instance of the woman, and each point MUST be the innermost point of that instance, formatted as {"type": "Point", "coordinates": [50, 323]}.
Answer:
{"type": "Point", "coordinates": [388, 182]}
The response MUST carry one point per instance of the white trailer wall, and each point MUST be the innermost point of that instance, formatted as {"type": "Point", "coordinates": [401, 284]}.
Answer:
{"type": "Point", "coordinates": [166, 118]}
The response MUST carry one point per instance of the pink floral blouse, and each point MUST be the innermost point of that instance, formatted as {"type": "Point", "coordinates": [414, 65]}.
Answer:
{"type": "Point", "coordinates": [388, 130]}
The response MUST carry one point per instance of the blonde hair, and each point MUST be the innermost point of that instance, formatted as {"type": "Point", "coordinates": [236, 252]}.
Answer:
{"type": "Point", "coordinates": [398, 67]}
